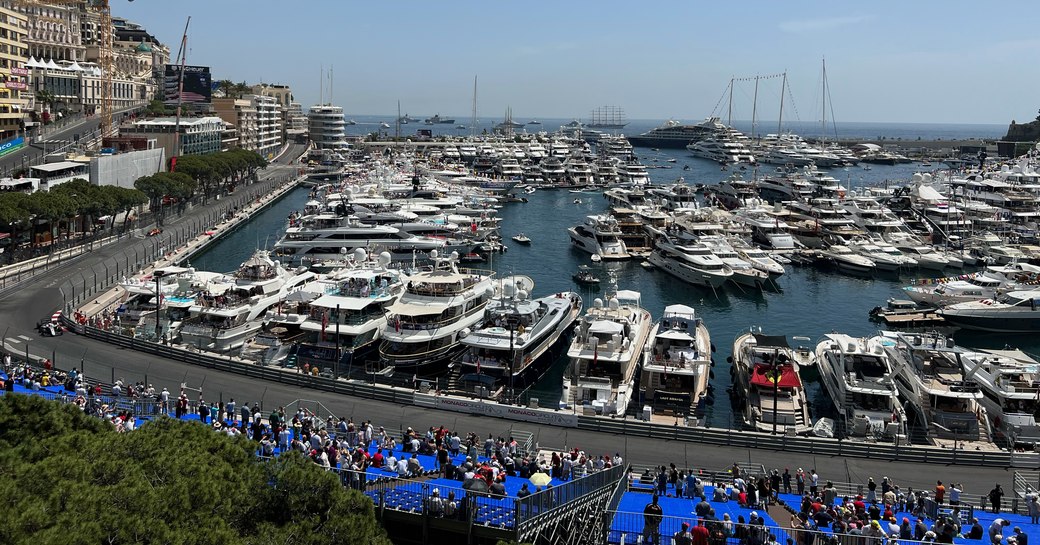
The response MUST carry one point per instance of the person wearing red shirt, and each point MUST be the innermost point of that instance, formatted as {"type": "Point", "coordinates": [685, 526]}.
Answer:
{"type": "Point", "coordinates": [700, 533]}
{"type": "Point", "coordinates": [377, 458]}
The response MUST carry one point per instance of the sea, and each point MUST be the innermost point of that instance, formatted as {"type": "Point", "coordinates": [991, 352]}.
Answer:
{"type": "Point", "coordinates": [810, 301]}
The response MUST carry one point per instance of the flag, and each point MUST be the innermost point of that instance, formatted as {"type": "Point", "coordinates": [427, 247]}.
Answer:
{"type": "Point", "coordinates": [478, 370]}
{"type": "Point", "coordinates": [324, 323]}
{"type": "Point", "coordinates": [397, 324]}
{"type": "Point", "coordinates": [595, 353]}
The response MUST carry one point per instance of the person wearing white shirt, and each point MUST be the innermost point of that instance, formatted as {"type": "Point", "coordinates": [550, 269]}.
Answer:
{"type": "Point", "coordinates": [402, 468]}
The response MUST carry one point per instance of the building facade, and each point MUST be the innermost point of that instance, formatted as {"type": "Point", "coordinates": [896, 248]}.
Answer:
{"type": "Point", "coordinates": [14, 52]}
{"type": "Point", "coordinates": [240, 113]}
{"type": "Point", "coordinates": [198, 135]}
{"type": "Point", "coordinates": [327, 127]}
{"type": "Point", "coordinates": [268, 125]}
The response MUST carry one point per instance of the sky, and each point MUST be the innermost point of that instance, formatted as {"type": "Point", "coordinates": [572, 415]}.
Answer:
{"type": "Point", "coordinates": [914, 62]}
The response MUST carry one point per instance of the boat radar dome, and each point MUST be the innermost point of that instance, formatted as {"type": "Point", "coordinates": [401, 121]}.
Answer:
{"type": "Point", "coordinates": [522, 295]}
{"type": "Point", "coordinates": [614, 305]}
{"type": "Point", "coordinates": [454, 256]}
{"type": "Point", "coordinates": [433, 254]}
{"type": "Point", "coordinates": [597, 302]}
{"type": "Point", "coordinates": [384, 259]}
{"type": "Point", "coordinates": [917, 177]}
{"type": "Point", "coordinates": [360, 255]}
{"type": "Point", "coordinates": [489, 292]}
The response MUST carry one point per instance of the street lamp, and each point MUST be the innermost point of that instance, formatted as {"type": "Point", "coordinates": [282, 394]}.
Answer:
{"type": "Point", "coordinates": [158, 274]}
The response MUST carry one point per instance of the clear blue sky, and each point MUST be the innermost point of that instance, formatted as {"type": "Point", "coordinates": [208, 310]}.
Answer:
{"type": "Point", "coordinates": [955, 62]}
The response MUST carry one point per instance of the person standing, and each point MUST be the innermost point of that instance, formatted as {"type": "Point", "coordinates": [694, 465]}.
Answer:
{"type": "Point", "coordinates": [955, 494]}
{"type": "Point", "coordinates": [1033, 507]}
{"type": "Point", "coordinates": [940, 492]}
{"type": "Point", "coordinates": [814, 483]}
{"type": "Point", "coordinates": [799, 478]}
{"type": "Point", "coordinates": [700, 533]}
{"type": "Point", "coordinates": [652, 516]}
{"type": "Point", "coordinates": [786, 477]}
{"type": "Point", "coordinates": [995, 497]}
{"type": "Point", "coordinates": [683, 536]}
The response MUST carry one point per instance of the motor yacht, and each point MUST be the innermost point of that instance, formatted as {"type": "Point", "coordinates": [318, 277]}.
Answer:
{"type": "Point", "coordinates": [322, 237]}
{"type": "Point", "coordinates": [673, 134]}
{"type": "Point", "coordinates": [721, 149]}
{"type": "Point", "coordinates": [858, 377]}
{"type": "Point", "coordinates": [744, 273]}
{"type": "Point", "coordinates": [942, 404]}
{"type": "Point", "coordinates": [599, 235]}
{"type": "Point", "coordinates": [766, 375]}
{"type": "Point", "coordinates": [984, 284]}
{"type": "Point", "coordinates": [517, 340]}
{"type": "Point", "coordinates": [423, 328]}
{"type": "Point", "coordinates": [692, 263]}
{"type": "Point", "coordinates": [1010, 382]}
{"type": "Point", "coordinates": [849, 261]}
{"type": "Point", "coordinates": [759, 258]}
{"type": "Point", "coordinates": [231, 311]}
{"type": "Point", "coordinates": [675, 376]}
{"type": "Point", "coordinates": [1012, 312]}
{"type": "Point", "coordinates": [608, 350]}
{"type": "Point", "coordinates": [886, 258]}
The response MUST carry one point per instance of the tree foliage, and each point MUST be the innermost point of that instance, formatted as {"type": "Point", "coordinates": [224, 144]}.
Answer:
{"type": "Point", "coordinates": [220, 172]}
{"type": "Point", "coordinates": [68, 478]}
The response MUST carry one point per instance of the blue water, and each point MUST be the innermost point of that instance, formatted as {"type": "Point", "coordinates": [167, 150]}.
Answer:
{"type": "Point", "coordinates": [811, 301]}
{"type": "Point", "coordinates": [902, 133]}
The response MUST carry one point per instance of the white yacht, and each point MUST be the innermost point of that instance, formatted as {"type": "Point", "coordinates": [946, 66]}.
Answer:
{"type": "Point", "coordinates": [759, 258]}
{"type": "Point", "coordinates": [1012, 312]}
{"type": "Point", "coordinates": [1010, 382]}
{"type": "Point", "coordinates": [849, 261]}
{"type": "Point", "coordinates": [178, 287]}
{"type": "Point", "coordinates": [322, 237]}
{"type": "Point", "coordinates": [942, 405]}
{"type": "Point", "coordinates": [984, 284]}
{"type": "Point", "coordinates": [675, 376]}
{"type": "Point", "coordinates": [885, 258]}
{"type": "Point", "coordinates": [858, 376]}
{"type": "Point", "coordinates": [783, 156]}
{"type": "Point", "coordinates": [768, 230]}
{"type": "Point", "coordinates": [599, 235]}
{"type": "Point", "coordinates": [423, 328]}
{"type": "Point", "coordinates": [342, 320]}
{"type": "Point", "coordinates": [553, 170]}
{"type": "Point", "coordinates": [926, 256]}
{"type": "Point", "coordinates": [231, 312]}
{"type": "Point", "coordinates": [609, 347]}
{"type": "Point", "coordinates": [693, 263]}
{"type": "Point", "coordinates": [633, 174]}
{"type": "Point", "coordinates": [721, 150]}
{"type": "Point", "coordinates": [766, 375]}
{"type": "Point", "coordinates": [515, 343]}
{"type": "Point", "coordinates": [744, 272]}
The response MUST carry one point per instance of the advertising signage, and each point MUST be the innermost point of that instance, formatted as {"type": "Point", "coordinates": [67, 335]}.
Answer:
{"type": "Point", "coordinates": [197, 84]}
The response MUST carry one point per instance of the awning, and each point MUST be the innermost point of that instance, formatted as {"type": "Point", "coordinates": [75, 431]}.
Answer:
{"type": "Point", "coordinates": [345, 303]}
{"type": "Point", "coordinates": [628, 295]}
{"type": "Point", "coordinates": [55, 167]}
{"type": "Point", "coordinates": [771, 341]}
{"type": "Point", "coordinates": [764, 375]}
{"type": "Point", "coordinates": [675, 335]}
{"type": "Point", "coordinates": [416, 309]}
{"type": "Point", "coordinates": [606, 326]}
{"type": "Point", "coordinates": [679, 310]}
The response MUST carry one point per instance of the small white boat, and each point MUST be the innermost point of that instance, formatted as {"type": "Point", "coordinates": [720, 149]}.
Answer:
{"type": "Point", "coordinates": [647, 265]}
{"type": "Point", "coordinates": [384, 125]}
{"type": "Point", "coordinates": [577, 201]}
{"type": "Point", "coordinates": [522, 238]}
{"type": "Point", "coordinates": [823, 427]}
{"type": "Point", "coordinates": [596, 258]}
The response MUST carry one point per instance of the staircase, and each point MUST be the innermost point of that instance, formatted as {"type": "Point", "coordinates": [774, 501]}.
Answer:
{"type": "Point", "coordinates": [454, 379]}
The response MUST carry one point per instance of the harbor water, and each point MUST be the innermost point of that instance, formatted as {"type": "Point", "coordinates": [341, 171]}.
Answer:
{"type": "Point", "coordinates": [809, 303]}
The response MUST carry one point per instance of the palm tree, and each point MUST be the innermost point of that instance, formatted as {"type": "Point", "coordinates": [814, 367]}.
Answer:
{"type": "Point", "coordinates": [242, 89]}
{"type": "Point", "coordinates": [227, 87]}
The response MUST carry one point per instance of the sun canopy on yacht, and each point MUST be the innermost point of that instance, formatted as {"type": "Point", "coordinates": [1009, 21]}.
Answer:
{"type": "Point", "coordinates": [930, 194]}
{"type": "Point", "coordinates": [628, 295]}
{"type": "Point", "coordinates": [679, 310]}
{"type": "Point", "coordinates": [675, 335]}
{"type": "Point", "coordinates": [345, 303]}
{"type": "Point", "coordinates": [764, 375]}
{"type": "Point", "coordinates": [771, 341]}
{"type": "Point", "coordinates": [415, 309]}
{"type": "Point", "coordinates": [606, 326]}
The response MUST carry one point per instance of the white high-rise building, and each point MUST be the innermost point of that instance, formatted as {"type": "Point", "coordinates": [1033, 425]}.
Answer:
{"type": "Point", "coordinates": [326, 127]}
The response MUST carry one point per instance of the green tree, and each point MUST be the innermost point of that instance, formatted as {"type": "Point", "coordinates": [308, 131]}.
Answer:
{"type": "Point", "coordinates": [69, 478]}
{"type": "Point", "coordinates": [155, 108]}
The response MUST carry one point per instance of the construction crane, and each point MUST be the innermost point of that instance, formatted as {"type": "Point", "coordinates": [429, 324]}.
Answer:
{"type": "Point", "coordinates": [106, 54]}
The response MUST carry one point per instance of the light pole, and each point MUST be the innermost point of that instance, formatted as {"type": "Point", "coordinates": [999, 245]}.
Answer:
{"type": "Point", "coordinates": [158, 274]}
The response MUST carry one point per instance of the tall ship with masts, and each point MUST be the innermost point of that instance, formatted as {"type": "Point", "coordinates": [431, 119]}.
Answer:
{"type": "Point", "coordinates": [607, 117]}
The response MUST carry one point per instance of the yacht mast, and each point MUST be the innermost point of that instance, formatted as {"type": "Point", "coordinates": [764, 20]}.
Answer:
{"type": "Point", "coordinates": [729, 118]}
{"type": "Point", "coordinates": [780, 121]}
{"type": "Point", "coordinates": [473, 120]}
{"type": "Point", "coordinates": [397, 124]}
{"type": "Point", "coordinates": [331, 94]}
{"type": "Point", "coordinates": [754, 111]}
{"type": "Point", "coordinates": [321, 85]}
{"type": "Point", "coordinates": [823, 93]}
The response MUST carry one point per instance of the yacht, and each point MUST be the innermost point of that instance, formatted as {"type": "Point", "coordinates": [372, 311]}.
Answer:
{"type": "Point", "coordinates": [178, 287]}
{"type": "Point", "coordinates": [599, 235]}
{"type": "Point", "coordinates": [942, 404]}
{"type": "Point", "coordinates": [633, 174]}
{"type": "Point", "coordinates": [509, 168]}
{"type": "Point", "coordinates": [721, 150]}
{"type": "Point", "coordinates": [849, 261]}
{"type": "Point", "coordinates": [768, 230]}
{"type": "Point", "coordinates": [231, 311]}
{"type": "Point", "coordinates": [784, 156]}
{"type": "Point", "coordinates": [759, 258]}
{"type": "Point", "coordinates": [673, 134]}
{"type": "Point", "coordinates": [886, 258]}
{"type": "Point", "coordinates": [1010, 382]}
{"type": "Point", "coordinates": [322, 237]}
{"type": "Point", "coordinates": [744, 272]}
{"type": "Point", "coordinates": [609, 347]}
{"type": "Point", "coordinates": [516, 341]}
{"type": "Point", "coordinates": [766, 375]}
{"type": "Point", "coordinates": [926, 256]}
{"type": "Point", "coordinates": [342, 320]}
{"type": "Point", "coordinates": [423, 328]}
{"type": "Point", "coordinates": [693, 263]}
{"type": "Point", "coordinates": [858, 376]}
{"type": "Point", "coordinates": [437, 119]}
{"type": "Point", "coordinates": [1012, 312]}
{"type": "Point", "coordinates": [675, 376]}
{"type": "Point", "coordinates": [985, 284]}
{"type": "Point", "coordinates": [553, 170]}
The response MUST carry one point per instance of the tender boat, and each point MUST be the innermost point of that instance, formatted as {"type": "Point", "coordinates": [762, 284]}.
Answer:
{"type": "Point", "coordinates": [521, 238]}
{"type": "Point", "coordinates": [766, 375]}
{"type": "Point", "coordinates": [585, 276]}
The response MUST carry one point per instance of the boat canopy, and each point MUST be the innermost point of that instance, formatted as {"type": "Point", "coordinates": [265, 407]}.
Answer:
{"type": "Point", "coordinates": [679, 310]}
{"type": "Point", "coordinates": [606, 326]}
{"type": "Point", "coordinates": [771, 341]}
{"type": "Point", "coordinates": [346, 303]}
{"type": "Point", "coordinates": [675, 335]}
{"type": "Point", "coordinates": [764, 375]}
{"type": "Point", "coordinates": [415, 309]}
{"type": "Point", "coordinates": [628, 296]}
